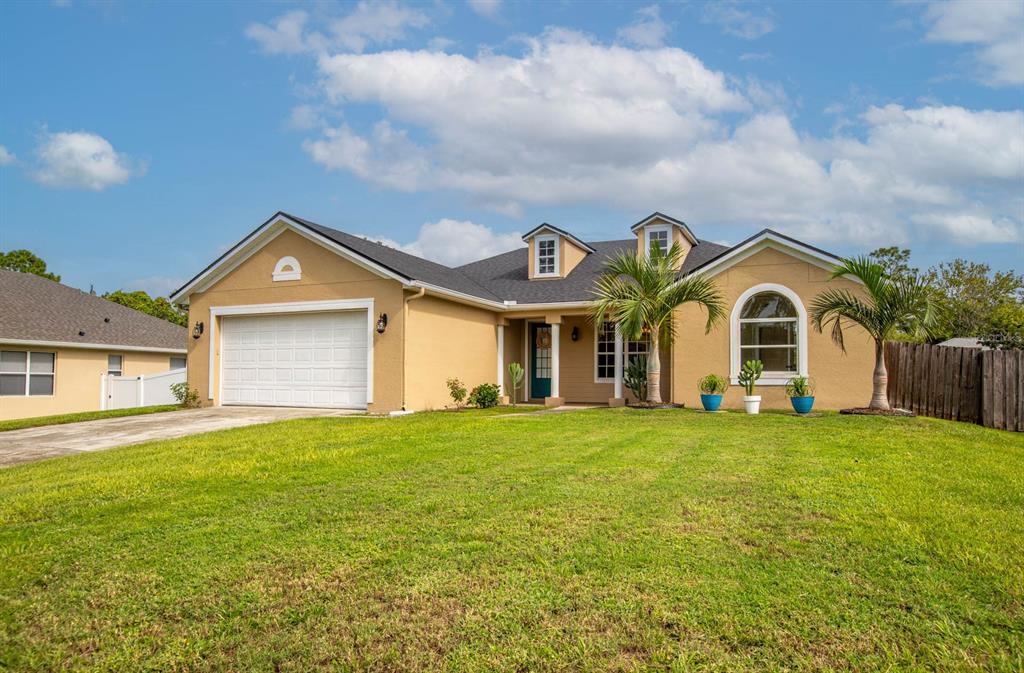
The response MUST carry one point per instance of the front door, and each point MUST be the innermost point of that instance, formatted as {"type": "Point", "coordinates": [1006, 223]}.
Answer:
{"type": "Point", "coordinates": [540, 360]}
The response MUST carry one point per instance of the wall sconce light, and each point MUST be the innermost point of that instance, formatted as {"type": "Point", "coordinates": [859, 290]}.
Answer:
{"type": "Point", "coordinates": [197, 331]}
{"type": "Point", "coordinates": [382, 323]}
{"type": "Point", "coordinates": [575, 335]}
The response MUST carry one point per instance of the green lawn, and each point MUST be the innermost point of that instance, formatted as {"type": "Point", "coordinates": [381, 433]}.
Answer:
{"type": "Point", "coordinates": [597, 540]}
{"type": "Point", "coordinates": [39, 421]}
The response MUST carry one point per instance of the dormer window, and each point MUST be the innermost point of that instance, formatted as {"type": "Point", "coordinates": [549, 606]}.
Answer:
{"type": "Point", "coordinates": [660, 237]}
{"type": "Point", "coordinates": [546, 262]}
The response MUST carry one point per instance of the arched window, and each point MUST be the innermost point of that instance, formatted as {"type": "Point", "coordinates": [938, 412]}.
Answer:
{"type": "Point", "coordinates": [769, 324]}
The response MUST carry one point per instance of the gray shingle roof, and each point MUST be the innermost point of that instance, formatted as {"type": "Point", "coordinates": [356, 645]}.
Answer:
{"type": "Point", "coordinates": [36, 309]}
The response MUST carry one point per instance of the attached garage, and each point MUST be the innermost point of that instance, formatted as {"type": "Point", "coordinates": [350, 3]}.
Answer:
{"type": "Point", "coordinates": [297, 360]}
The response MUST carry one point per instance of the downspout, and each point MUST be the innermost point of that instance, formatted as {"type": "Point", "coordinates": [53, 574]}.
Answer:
{"type": "Point", "coordinates": [405, 336]}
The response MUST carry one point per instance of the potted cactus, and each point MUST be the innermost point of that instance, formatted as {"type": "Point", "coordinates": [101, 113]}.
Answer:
{"type": "Point", "coordinates": [712, 387]}
{"type": "Point", "coordinates": [800, 391]}
{"type": "Point", "coordinates": [748, 377]}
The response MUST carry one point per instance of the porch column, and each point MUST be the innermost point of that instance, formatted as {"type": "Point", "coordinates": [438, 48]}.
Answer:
{"type": "Point", "coordinates": [618, 400]}
{"type": "Point", "coordinates": [555, 330]}
{"type": "Point", "coordinates": [501, 360]}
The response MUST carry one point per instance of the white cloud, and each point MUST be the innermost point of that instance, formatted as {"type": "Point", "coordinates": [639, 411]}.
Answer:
{"type": "Point", "coordinates": [487, 8]}
{"type": "Point", "coordinates": [647, 29]}
{"type": "Point", "coordinates": [994, 27]}
{"type": "Point", "coordinates": [6, 156]}
{"type": "Point", "coordinates": [457, 242]}
{"type": "Point", "coordinates": [304, 118]}
{"type": "Point", "coordinates": [370, 22]}
{"type": "Point", "coordinates": [82, 160]}
{"type": "Point", "coordinates": [570, 120]}
{"type": "Point", "coordinates": [744, 23]}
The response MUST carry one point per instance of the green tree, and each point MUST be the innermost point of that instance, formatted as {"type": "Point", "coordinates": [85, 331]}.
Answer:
{"type": "Point", "coordinates": [895, 261]}
{"type": "Point", "coordinates": [976, 302]}
{"type": "Point", "coordinates": [154, 306]}
{"type": "Point", "coordinates": [892, 306]}
{"type": "Point", "coordinates": [26, 261]}
{"type": "Point", "coordinates": [641, 293]}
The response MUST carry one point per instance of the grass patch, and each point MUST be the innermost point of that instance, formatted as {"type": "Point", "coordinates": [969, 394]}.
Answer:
{"type": "Point", "coordinates": [39, 421]}
{"type": "Point", "coordinates": [610, 539]}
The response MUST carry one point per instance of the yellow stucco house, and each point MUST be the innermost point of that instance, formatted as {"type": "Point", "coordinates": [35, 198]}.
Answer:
{"type": "Point", "coordinates": [56, 343]}
{"type": "Point", "coordinates": [299, 314]}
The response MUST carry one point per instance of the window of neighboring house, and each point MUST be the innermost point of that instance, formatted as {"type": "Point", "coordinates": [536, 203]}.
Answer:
{"type": "Point", "coordinates": [547, 256]}
{"type": "Point", "coordinates": [177, 362]}
{"type": "Point", "coordinates": [605, 352]}
{"type": "Point", "coordinates": [769, 326]}
{"type": "Point", "coordinates": [115, 365]}
{"type": "Point", "coordinates": [658, 236]}
{"type": "Point", "coordinates": [26, 373]}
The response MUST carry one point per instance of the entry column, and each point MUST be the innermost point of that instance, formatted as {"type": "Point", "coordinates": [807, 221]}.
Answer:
{"type": "Point", "coordinates": [556, 399]}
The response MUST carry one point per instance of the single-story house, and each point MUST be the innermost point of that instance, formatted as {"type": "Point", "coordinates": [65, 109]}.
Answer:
{"type": "Point", "coordinates": [299, 314]}
{"type": "Point", "coordinates": [57, 342]}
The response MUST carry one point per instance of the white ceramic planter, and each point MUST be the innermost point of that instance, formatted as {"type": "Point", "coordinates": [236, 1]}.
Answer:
{"type": "Point", "coordinates": [752, 403]}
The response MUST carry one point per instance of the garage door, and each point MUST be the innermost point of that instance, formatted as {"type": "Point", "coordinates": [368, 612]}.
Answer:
{"type": "Point", "coordinates": [305, 360]}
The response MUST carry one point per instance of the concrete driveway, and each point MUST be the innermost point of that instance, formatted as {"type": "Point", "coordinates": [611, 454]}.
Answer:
{"type": "Point", "coordinates": [22, 446]}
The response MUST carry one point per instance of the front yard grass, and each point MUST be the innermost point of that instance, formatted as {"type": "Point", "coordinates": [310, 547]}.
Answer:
{"type": "Point", "coordinates": [595, 540]}
{"type": "Point", "coordinates": [39, 421]}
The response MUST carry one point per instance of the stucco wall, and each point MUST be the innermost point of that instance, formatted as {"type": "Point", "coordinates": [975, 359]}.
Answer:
{"type": "Point", "coordinates": [76, 386]}
{"type": "Point", "coordinates": [842, 380]}
{"type": "Point", "coordinates": [447, 340]}
{"type": "Point", "coordinates": [325, 276]}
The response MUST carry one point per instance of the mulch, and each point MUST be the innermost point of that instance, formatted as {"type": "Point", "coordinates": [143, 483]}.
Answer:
{"type": "Point", "coordinates": [866, 411]}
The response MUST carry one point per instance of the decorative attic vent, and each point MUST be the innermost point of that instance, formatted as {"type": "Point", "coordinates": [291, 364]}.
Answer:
{"type": "Point", "coordinates": [287, 268]}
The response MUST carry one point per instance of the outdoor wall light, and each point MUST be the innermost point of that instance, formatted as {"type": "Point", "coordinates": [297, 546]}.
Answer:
{"type": "Point", "coordinates": [382, 323]}
{"type": "Point", "coordinates": [197, 331]}
{"type": "Point", "coordinates": [575, 335]}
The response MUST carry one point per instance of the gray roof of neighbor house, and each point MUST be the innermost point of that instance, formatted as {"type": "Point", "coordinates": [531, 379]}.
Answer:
{"type": "Point", "coordinates": [503, 277]}
{"type": "Point", "coordinates": [37, 309]}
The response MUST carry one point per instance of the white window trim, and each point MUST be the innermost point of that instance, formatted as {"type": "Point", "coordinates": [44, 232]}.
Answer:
{"type": "Point", "coordinates": [28, 374]}
{"type": "Point", "coordinates": [656, 228]}
{"type": "Point", "coordinates": [599, 379]}
{"type": "Point", "coordinates": [625, 355]}
{"type": "Point", "coordinates": [295, 272]}
{"type": "Point", "coordinates": [536, 256]}
{"type": "Point", "coordinates": [294, 307]}
{"type": "Point", "coordinates": [801, 335]}
{"type": "Point", "coordinates": [121, 369]}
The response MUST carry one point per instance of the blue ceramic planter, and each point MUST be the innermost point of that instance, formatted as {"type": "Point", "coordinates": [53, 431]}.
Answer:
{"type": "Point", "coordinates": [802, 405]}
{"type": "Point", "coordinates": [711, 402]}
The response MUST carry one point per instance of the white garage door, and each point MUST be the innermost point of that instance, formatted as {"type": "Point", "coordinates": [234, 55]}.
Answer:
{"type": "Point", "coordinates": [304, 360]}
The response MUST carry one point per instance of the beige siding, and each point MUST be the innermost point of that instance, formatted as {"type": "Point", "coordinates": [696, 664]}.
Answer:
{"type": "Point", "coordinates": [76, 384]}
{"type": "Point", "coordinates": [447, 340]}
{"type": "Point", "coordinates": [325, 276]}
{"type": "Point", "coordinates": [842, 380]}
{"type": "Point", "coordinates": [677, 238]}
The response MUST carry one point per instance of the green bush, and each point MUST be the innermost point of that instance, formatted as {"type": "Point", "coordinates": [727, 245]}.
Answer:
{"type": "Point", "coordinates": [635, 377]}
{"type": "Point", "coordinates": [187, 397]}
{"type": "Point", "coordinates": [458, 392]}
{"type": "Point", "coordinates": [800, 386]}
{"type": "Point", "coordinates": [713, 384]}
{"type": "Point", "coordinates": [485, 395]}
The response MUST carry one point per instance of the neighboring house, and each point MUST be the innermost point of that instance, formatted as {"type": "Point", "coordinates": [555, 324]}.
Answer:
{"type": "Point", "coordinates": [56, 342]}
{"type": "Point", "coordinates": [298, 314]}
{"type": "Point", "coordinates": [963, 342]}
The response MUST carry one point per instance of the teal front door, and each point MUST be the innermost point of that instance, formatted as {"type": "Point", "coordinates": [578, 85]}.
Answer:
{"type": "Point", "coordinates": [540, 360]}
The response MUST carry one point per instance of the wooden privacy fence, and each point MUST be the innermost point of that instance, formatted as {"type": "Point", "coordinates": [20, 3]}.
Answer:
{"type": "Point", "coordinates": [960, 384]}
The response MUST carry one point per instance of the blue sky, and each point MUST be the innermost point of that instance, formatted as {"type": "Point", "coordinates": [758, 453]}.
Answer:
{"type": "Point", "coordinates": [138, 141]}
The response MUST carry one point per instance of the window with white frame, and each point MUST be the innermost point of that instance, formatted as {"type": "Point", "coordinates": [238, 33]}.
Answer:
{"type": "Point", "coordinates": [178, 362]}
{"type": "Point", "coordinates": [26, 373]}
{"type": "Point", "coordinates": [546, 262]}
{"type": "Point", "coordinates": [115, 365]}
{"type": "Point", "coordinates": [658, 236]}
{"type": "Point", "coordinates": [604, 352]}
{"type": "Point", "coordinates": [769, 332]}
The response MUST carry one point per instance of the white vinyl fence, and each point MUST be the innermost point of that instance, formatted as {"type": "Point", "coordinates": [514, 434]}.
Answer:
{"type": "Point", "coordinates": [123, 392]}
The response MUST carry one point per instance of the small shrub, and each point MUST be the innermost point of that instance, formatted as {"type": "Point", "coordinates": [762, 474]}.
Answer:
{"type": "Point", "coordinates": [187, 397]}
{"type": "Point", "coordinates": [749, 374]}
{"type": "Point", "coordinates": [635, 377]}
{"type": "Point", "coordinates": [458, 392]}
{"type": "Point", "coordinates": [485, 395]}
{"type": "Point", "coordinates": [713, 384]}
{"type": "Point", "coordinates": [800, 386]}
{"type": "Point", "coordinates": [515, 375]}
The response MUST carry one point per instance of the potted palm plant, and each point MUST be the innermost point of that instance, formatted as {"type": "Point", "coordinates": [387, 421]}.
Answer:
{"type": "Point", "coordinates": [712, 387]}
{"type": "Point", "coordinates": [800, 391]}
{"type": "Point", "coordinates": [748, 377]}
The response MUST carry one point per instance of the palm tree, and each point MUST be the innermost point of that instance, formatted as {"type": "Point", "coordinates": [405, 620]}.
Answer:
{"type": "Point", "coordinates": [641, 293]}
{"type": "Point", "coordinates": [892, 305]}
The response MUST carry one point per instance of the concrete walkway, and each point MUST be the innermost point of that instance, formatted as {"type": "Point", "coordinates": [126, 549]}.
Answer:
{"type": "Point", "coordinates": [22, 446]}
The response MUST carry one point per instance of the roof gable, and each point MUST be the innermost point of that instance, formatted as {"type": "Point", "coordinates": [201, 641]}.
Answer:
{"type": "Point", "coordinates": [661, 217]}
{"type": "Point", "coordinates": [760, 241]}
{"type": "Point", "coordinates": [541, 228]}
